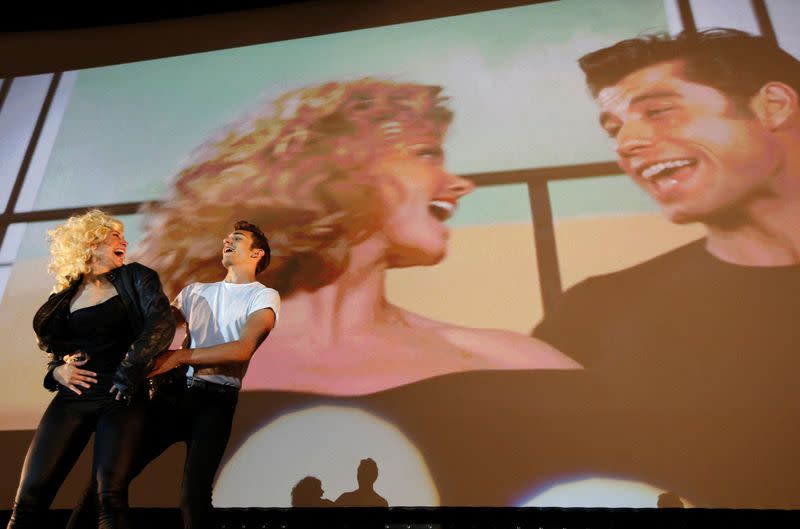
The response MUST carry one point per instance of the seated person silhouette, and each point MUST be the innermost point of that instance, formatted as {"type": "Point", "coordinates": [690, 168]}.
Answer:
{"type": "Point", "coordinates": [308, 493]}
{"type": "Point", "coordinates": [364, 495]}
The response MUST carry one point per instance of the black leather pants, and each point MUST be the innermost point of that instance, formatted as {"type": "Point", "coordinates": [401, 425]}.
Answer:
{"type": "Point", "coordinates": [62, 435]}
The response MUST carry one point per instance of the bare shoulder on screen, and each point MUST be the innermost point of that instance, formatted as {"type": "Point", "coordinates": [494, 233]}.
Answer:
{"type": "Point", "coordinates": [403, 349]}
{"type": "Point", "coordinates": [502, 349]}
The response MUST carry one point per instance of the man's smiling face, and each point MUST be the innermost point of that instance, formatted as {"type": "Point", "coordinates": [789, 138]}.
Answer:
{"type": "Point", "coordinates": [686, 144]}
{"type": "Point", "coordinates": [237, 248]}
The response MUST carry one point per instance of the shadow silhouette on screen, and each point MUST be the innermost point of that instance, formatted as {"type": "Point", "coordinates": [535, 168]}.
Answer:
{"type": "Point", "coordinates": [364, 495]}
{"type": "Point", "coordinates": [669, 500]}
{"type": "Point", "coordinates": [308, 493]}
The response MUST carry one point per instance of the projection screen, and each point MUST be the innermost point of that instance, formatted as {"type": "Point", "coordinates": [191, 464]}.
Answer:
{"type": "Point", "coordinates": [475, 294]}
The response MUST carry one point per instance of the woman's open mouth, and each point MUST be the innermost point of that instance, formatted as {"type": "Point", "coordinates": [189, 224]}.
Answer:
{"type": "Point", "coordinates": [441, 210]}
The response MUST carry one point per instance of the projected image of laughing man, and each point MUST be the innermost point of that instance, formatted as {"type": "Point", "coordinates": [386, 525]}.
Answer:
{"type": "Point", "coordinates": [708, 126]}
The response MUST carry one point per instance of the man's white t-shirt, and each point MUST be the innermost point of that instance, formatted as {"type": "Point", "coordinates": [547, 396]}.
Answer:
{"type": "Point", "coordinates": [215, 314]}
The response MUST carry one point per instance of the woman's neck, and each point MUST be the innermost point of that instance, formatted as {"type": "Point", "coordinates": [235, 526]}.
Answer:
{"type": "Point", "coordinates": [355, 301]}
{"type": "Point", "coordinates": [96, 275]}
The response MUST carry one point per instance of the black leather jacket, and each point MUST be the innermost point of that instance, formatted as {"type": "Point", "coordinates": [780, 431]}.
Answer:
{"type": "Point", "coordinates": [153, 324]}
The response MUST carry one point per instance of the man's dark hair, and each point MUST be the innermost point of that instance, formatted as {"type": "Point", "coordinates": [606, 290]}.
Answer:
{"type": "Point", "coordinates": [367, 471]}
{"type": "Point", "coordinates": [732, 61]}
{"type": "Point", "coordinates": [259, 241]}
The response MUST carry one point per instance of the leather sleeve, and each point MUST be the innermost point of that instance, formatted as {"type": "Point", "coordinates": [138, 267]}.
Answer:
{"type": "Point", "coordinates": [158, 330]}
{"type": "Point", "coordinates": [45, 339]}
{"type": "Point", "coordinates": [53, 361]}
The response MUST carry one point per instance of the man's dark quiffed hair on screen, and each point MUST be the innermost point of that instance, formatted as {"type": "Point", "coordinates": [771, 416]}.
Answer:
{"type": "Point", "coordinates": [732, 61]}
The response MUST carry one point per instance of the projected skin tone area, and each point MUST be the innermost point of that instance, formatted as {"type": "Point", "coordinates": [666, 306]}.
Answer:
{"type": "Point", "coordinates": [705, 157]}
{"type": "Point", "coordinates": [708, 148]}
{"type": "Point", "coordinates": [350, 178]}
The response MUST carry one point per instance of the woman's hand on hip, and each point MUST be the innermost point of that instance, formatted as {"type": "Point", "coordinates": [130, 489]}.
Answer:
{"type": "Point", "coordinates": [72, 376]}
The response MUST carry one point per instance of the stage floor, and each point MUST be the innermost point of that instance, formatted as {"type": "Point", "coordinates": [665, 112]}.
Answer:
{"type": "Point", "coordinates": [458, 518]}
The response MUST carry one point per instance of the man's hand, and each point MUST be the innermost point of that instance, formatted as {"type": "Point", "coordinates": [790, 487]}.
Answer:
{"type": "Point", "coordinates": [70, 375]}
{"type": "Point", "coordinates": [167, 361]}
{"type": "Point", "coordinates": [114, 390]}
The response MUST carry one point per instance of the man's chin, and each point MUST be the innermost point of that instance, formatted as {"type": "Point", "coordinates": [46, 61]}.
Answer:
{"type": "Point", "coordinates": [678, 215]}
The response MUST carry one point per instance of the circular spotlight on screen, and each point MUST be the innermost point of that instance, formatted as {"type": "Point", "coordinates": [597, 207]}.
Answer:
{"type": "Point", "coordinates": [326, 442]}
{"type": "Point", "coordinates": [603, 492]}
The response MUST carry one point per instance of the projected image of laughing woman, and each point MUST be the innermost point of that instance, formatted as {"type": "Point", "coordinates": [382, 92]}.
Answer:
{"type": "Point", "coordinates": [348, 180]}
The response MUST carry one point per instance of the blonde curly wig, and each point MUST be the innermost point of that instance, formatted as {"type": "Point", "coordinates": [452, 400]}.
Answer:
{"type": "Point", "coordinates": [71, 244]}
{"type": "Point", "coordinates": [298, 167]}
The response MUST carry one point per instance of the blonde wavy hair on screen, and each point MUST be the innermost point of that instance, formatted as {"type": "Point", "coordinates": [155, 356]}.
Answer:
{"type": "Point", "coordinates": [71, 245]}
{"type": "Point", "coordinates": [299, 168]}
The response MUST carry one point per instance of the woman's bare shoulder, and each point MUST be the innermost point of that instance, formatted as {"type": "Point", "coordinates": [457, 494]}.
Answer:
{"type": "Point", "coordinates": [503, 346]}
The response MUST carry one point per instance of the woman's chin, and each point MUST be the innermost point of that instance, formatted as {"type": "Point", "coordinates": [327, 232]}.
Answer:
{"type": "Point", "coordinates": [420, 257]}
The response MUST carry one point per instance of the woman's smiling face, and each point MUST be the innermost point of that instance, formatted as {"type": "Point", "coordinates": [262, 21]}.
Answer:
{"type": "Point", "coordinates": [110, 252]}
{"type": "Point", "coordinates": [418, 196]}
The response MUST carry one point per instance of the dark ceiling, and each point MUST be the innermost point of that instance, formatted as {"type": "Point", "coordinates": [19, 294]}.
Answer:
{"type": "Point", "coordinates": [35, 16]}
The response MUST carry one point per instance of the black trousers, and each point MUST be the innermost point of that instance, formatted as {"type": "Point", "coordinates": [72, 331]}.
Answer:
{"type": "Point", "coordinates": [63, 433]}
{"type": "Point", "coordinates": [202, 419]}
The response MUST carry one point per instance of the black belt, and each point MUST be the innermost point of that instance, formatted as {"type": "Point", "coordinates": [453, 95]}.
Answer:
{"type": "Point", "coordinates": [199, 383]}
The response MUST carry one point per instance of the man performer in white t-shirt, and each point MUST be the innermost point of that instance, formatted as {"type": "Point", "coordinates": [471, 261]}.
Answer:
{"type": "Point", "coordinates": [225, 322]}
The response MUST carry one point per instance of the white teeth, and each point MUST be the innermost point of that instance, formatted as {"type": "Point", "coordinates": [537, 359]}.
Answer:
{"type": "Point", "coordinates": [654, 170]}
{"type": "Point", "coordinates": [665, 184]}
{"type": "Point", "coordinates": [449, 206]}
{"type": "Point", "coordinates": [442, 209]}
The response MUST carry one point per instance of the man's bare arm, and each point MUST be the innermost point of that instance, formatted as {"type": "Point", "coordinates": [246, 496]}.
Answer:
{"type": "Point", "coordinates": [255, 331]}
